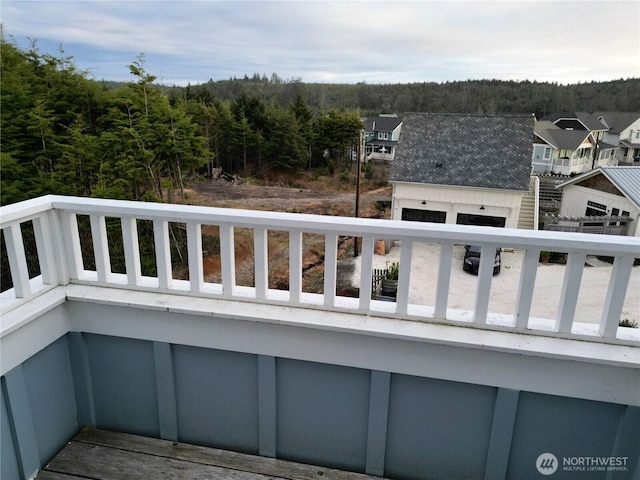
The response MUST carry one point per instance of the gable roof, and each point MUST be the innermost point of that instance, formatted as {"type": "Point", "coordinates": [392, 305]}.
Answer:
{"type": "Point", "coordinates": [616, 121]}
{"type": "Point", "coordinates": [587, 120]}
{"type": "Point", "coordinates": [567, 139]}
{"type": "Point", "coordinates": [381, 124]}
{"type": "Point", "coordinates": [483, 151]}
{"type": "Point", "coordinates": [559, 138]}
{"type": "Point", "coordinates": [625, 179]}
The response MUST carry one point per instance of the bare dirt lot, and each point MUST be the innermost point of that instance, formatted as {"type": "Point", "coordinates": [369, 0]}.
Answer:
{"type": "Point", "coordinates": [282, 199]}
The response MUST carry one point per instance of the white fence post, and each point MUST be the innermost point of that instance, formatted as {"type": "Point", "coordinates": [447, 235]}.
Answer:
{"type": "Point", "coordinates": [45, 236]}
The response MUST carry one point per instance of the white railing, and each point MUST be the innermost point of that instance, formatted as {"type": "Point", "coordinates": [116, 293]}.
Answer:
{"type": "Point", "coordinates": [60, 257]}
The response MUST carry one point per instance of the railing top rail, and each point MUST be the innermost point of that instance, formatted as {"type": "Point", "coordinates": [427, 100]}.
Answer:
{"type": "Point", "coordinates": [19, 212]}
{"type": "Point", "coordinates": [397, 230]}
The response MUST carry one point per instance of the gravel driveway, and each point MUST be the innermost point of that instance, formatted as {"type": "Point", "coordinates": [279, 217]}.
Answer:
{"type": "Point", "coordinates": [504, 287]}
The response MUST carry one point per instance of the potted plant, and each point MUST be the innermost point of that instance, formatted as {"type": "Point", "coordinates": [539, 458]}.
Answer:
{"type": "Point", "coordinates": [545, 256]}
{"type": "Point", "coordinates": [390, 280]}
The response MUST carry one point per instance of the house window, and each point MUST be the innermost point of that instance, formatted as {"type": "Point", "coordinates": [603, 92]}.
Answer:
{"type": "Point", "coordinates": [595, 209]}
{"type": "Point", "coordinates": [547, 153]}
{"type": "Point", "coordinates": [615, 212]}
{"type": "Point", "coordinates": [625, 213]}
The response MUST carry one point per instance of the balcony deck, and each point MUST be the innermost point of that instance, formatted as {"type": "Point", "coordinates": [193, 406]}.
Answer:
{"type": "Point", "coordinates": [409, 389]}
{"type": "Point", "coordinates": [118, 456]}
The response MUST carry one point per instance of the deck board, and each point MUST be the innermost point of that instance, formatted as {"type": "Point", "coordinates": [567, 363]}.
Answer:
{"type": "Point", "coordinates": [103, 455]}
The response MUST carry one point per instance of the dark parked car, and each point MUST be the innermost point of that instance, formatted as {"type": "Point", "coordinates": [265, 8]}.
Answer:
{"type": "Point", "coordinates": [471, 262]}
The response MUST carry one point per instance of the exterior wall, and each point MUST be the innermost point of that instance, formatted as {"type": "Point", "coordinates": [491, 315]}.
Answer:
{"type": "Point", "coordinates": [39, 412]}
{"type": "Point", "coordinates": [395, 135]}
{"type": "Point", "coordinates": [364, 420]}
{"type": "Point", "coordinates": [630, 132]}
{"type": "Point", "coordinates": [454, 200]}
{"type": "Point", "coordinates": [575, 198]}
{"type": "Point", "coordinates": [538, 163]}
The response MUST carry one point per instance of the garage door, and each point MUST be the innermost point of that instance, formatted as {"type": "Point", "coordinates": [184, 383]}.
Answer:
{"type": "Point", "coordinates": [417, 215]}
{"type": "Point", "coordinates": [480, 220]}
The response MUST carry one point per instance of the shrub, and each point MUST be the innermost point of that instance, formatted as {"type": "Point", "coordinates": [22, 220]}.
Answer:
{"type": "Point", "coordinates": [393, 271]}
{"type": "Point", "coordinates": [628, 323]}
{"type": "Point", "coordinates": [331, 166]}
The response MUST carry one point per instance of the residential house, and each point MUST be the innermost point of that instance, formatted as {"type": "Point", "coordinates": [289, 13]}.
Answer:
{"type": "Point", "coordinates": [462, 169]}
{"type": "Point", "coordinates": [381, 137]}
{"type": "Point", "coordinates": [571, 143]}
{"type": "Point", "coordinates": [568, 152]}
{"type": "Point", "coordinates": [623, 131]}
{"type": "Point", "coordinates": [605, 191]}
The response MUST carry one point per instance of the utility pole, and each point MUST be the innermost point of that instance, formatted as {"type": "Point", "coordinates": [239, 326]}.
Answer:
{"type": "Point", "coordinates": [358, 170]}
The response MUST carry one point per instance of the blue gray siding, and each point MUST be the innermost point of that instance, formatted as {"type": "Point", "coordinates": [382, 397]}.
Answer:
{"type": "Point", "coordinates": [382, 423]}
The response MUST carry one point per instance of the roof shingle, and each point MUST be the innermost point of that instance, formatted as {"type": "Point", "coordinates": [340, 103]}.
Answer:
{"type": "Point", "coordinates": [483, 151]}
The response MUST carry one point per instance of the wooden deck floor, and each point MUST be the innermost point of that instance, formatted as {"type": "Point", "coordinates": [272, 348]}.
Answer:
{"type": "Point", "coordinates": [98, 454]}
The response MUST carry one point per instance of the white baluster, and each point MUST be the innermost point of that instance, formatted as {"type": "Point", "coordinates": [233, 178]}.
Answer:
{"type": "Point", "coordinates": [483, 286]}
{"type": "Point", "coordinates": [101, 248]}
{"type": "Point", "coordinates": [17, 260]}
{"type": "Point", "coordinates": [261, 259]}
{"type": "Point", "coordinates": [444, 279]}
{"type": "Point", "coordinates": [526, 287]}
{"type": "Point", "coordinates": [227, 260]}
{"type": "Point", "coordinates": [330, 269]}
{"type": "Point", "coordinates": [44, 243]}
{"type": "Point", "coordinates": [163, 253]}
{"type": "Point", "coordinates": [616, 293]}
{"type": "Point", "coordinates": [194, 247]}
{"type": "Point", "coordinates": [295, 266]}
{"type": "Point", "coordinates": [131, 250]}
{"type": "Point", "coordinates": [570, 290]}
{"type": "Point", "coordinates": [71, 238]}
{"type": "Point", "coordinates": [404, 276]}
{"type": "Point", "coordinates": [366, 273]}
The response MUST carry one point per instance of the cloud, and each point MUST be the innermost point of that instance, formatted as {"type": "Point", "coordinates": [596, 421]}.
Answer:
{"type": "Point", "coordinates": [350, 41]}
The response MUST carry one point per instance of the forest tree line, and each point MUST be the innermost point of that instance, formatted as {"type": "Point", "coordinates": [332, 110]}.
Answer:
{"type": "Point", "coordinates": [64, 133]}
{"type": "Point", "coordinates": [471, 96]}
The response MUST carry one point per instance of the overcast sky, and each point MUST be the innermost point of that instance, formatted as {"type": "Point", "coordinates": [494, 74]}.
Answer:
{"type": "Point", "coordinates": [338, 42]}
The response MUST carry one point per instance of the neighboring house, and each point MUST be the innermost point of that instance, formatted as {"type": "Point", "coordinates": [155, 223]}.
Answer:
{"type": "Point", "coordinates": [381, 137]}
{"type": "Point", "coordinates": [623, 131]}
{"type": "Point", "coordinates": [465, 169]}
{"type": "Point", "coordinates": [585, 146]}
{"type": "Point", "coordinates": [605, 191]}
{"type": "Point", "coordinates": [563, 152]}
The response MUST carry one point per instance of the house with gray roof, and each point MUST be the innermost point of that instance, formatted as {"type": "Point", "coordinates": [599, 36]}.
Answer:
{"type": "Point", "coordinates": [566, 146]}
{"type": "Point", "coordinates": [604, 191]}
{"type": "Point", "coordinates": [381, 136]}
{"type": "Point", "coordinates": [623, 131]}
{"type": "Point", "coordinates": [465, 169]}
